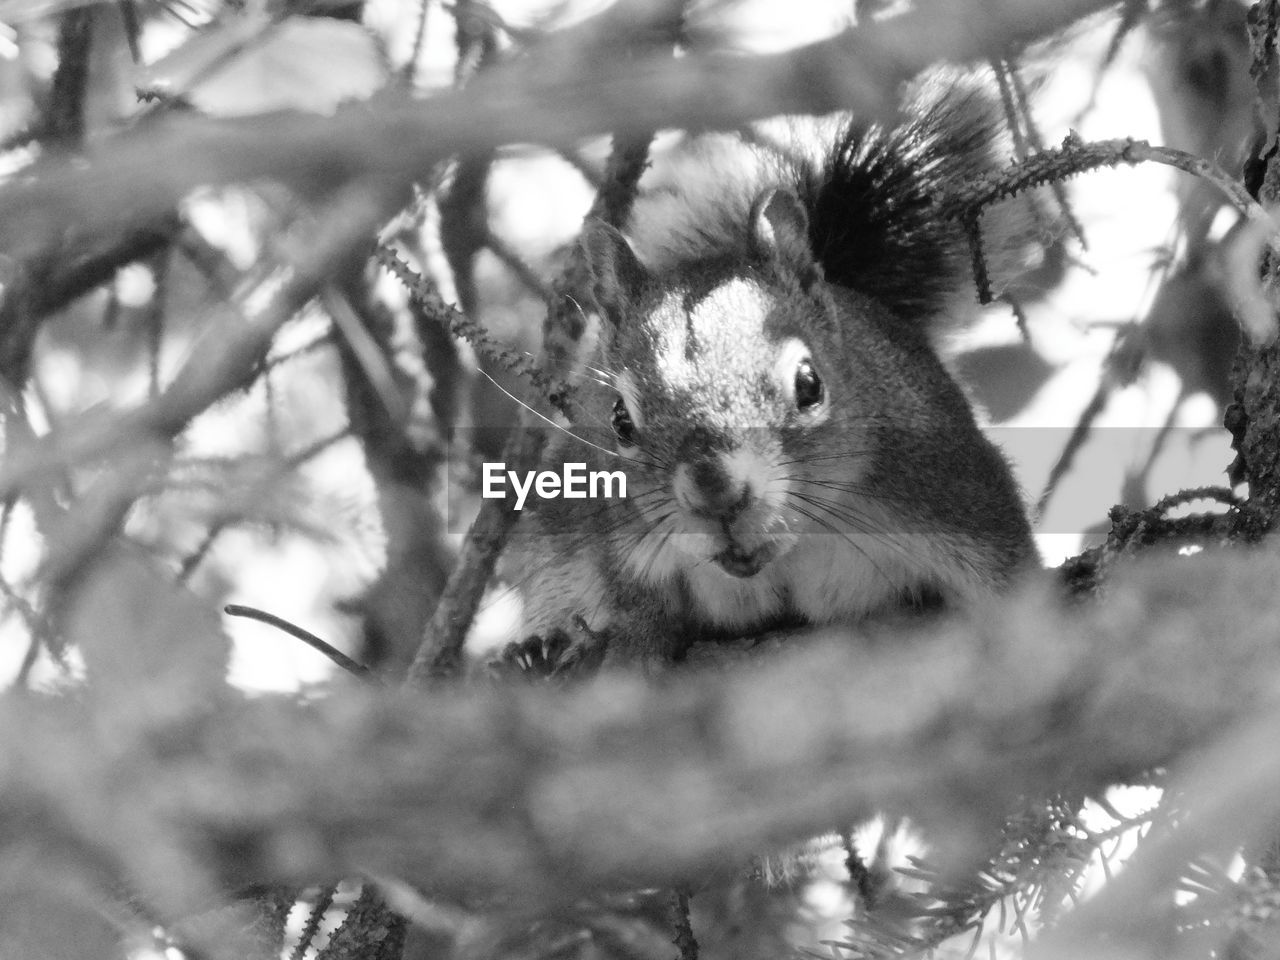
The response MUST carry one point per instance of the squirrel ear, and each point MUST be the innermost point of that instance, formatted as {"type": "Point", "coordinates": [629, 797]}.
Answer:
{"type": "Point", "coordinates": [780, 233]}
{"type": "Point", "coordinates": [618, 278]}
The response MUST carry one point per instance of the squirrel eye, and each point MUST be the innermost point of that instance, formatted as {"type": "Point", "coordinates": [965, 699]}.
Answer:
{"type": "Point", "coordinates": [809, 390]}
{"type": "Point", "coordinates": [623, 426]}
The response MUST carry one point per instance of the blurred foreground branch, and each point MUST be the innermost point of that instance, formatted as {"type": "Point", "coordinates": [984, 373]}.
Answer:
{"type": "Point", "coordinates": [544, 794]}
{"type": "Point", "coordinates": [553, 96]}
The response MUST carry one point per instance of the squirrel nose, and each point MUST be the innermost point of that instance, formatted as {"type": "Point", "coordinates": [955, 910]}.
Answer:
{"type": "Point", "coordinates": [707, 487]}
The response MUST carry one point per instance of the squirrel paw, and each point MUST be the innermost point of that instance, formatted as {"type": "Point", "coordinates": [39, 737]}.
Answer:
{"type": "Point", "coordinates": [535, 656]}
{"type": "Point", "coordinates": [559, 653]}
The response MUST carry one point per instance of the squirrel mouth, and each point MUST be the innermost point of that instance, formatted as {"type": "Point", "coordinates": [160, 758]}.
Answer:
{"type": "Point", "coordinates": [737, 562]}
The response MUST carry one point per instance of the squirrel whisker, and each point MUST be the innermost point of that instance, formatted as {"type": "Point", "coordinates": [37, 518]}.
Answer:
{"type": "Point", "coordinates": [546, 419]}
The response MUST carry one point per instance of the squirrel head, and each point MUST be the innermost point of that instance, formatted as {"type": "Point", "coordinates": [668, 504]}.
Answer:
{"type": "Point", "coordinates": [720, 382]}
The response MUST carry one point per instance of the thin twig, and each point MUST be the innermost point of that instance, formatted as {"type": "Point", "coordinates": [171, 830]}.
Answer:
{"type": "Point", "coordinates": [310, 639]}
{"type": "Point", "coordinates": [213, 263]}
{"type": "Point", "coordinates": [373, 360]}
{"type": "Point", "coordinates": [155, 320]}
{"type": "Point", "coordinates": [315, 344]}
{"type": "Point", "coordinates": [193, 559]}
{"type": "Point", "coordinates": [1080, 433]}
{"type": "Point", "coordinates": [518, 265]}
{"type": "Point", "coordinates": [36, 627]}
{"type": "Point", "coordinates": [132, 28]}
{"type": "Point", "coordinates": [1037, 143]}
{"type": "Point", "coordinates": [428, 299]}
{"type": "Point", "coordinates": [1013, 117]}
{"type": "Point", "coordinates": [589, 171]}
{"type": "Point", "coordinates": [419, 38]}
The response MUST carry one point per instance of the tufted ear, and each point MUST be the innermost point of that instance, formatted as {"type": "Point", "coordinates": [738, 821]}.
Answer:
{"type": "Point", "coordinates": [780, 234]}
{"type": "Point", "coordinates": [617, 278]}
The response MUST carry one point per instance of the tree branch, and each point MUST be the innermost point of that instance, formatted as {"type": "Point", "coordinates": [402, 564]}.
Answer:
{"type": "Point", "coordinates": [548, 97]}
{"type": "Point", "coordinates": [542, 794]}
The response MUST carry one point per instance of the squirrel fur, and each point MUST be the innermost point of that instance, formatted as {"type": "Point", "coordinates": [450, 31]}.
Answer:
{"type": "Point", "coordinates": [765, 375]}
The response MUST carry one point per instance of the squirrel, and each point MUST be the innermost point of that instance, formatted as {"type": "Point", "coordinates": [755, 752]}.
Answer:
{"type": "Point", "coordinates": [765, 376]}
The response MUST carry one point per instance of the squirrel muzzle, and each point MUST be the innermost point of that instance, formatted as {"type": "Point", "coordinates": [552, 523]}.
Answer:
{"type": "Point", "coordinates": [720, 492]}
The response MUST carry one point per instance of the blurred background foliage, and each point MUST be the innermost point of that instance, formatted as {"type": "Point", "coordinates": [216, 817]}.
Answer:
{"type": "Point", "coordinates": [329, 481]}
{"type": "Point", "coordinates": [276, 496]}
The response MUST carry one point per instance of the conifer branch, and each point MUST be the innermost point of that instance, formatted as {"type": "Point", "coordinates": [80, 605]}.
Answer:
{"type": "Point", "coordinates": [1076, 156]}
{"type": "Point", "coordinates": [427, 298]}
